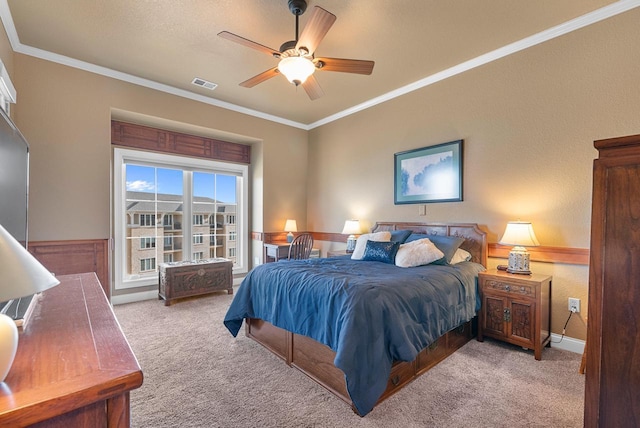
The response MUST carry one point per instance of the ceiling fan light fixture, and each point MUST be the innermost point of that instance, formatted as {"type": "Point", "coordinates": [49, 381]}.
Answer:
{"type": "Point", "coordinates": [296, 69]}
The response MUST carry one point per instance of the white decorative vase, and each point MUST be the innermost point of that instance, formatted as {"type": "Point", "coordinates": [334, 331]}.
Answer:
{"type": "Point", "coordinates": [8, 344]}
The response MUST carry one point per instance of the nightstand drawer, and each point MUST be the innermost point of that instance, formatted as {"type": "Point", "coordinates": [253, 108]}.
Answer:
{"type": "Point", "coordinates": [509, 288]}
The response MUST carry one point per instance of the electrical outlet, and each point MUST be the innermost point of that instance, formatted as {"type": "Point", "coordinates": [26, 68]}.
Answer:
{"type": "Point", "coordinates": [574, 304]}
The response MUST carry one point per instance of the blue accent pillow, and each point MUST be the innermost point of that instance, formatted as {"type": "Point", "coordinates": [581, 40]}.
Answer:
{"type": "Point", "coordinates": [384, 252]}
{"type": "Point", "coordinates": [447, 244]}
{"type": "Point", "coordinates": [400, 235]}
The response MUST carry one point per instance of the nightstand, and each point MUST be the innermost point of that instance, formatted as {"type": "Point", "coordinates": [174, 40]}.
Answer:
{"type": "Point", "coordinates": [516, 309]}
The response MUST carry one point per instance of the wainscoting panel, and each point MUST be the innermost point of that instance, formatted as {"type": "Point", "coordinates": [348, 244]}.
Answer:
{"type": "Point", "coordinates": [69, 257]}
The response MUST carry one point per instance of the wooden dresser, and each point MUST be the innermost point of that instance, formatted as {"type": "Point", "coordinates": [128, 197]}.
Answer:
{"type": "Point", "coordinates": [612, 390]}
{"type": "Point", "coordinates": [74, 367]}
{"type": "Point", "coordinates": [193, 278]}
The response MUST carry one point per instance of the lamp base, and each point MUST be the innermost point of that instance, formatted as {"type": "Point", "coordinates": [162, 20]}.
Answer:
{"type": "Point", "coordinates": [289, 237]}
{"type": "Point", "coordinates": [351, 244]}
{"type": "Point", "coordinates": [8, 345]}
{"type": "Point", "coordinates": [519, 261]}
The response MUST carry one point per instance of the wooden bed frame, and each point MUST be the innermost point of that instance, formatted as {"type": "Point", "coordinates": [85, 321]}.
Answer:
{"type": "Point", "coordinates": [316, 360]}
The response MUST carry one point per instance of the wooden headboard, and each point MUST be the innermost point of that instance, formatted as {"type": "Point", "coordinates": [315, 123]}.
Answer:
{"type": "Point", "coordinates": [475, 240]}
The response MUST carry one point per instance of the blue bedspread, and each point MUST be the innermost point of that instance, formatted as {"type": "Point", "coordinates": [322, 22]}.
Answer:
{"type": "Point", "coordinates": [369, 313]}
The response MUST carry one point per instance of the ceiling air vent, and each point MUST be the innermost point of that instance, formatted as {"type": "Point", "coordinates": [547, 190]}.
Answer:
{"type": "Point", "coordinates": [204, 83]}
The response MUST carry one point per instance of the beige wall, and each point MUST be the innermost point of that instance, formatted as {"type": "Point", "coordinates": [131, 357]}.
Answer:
{"type": "Point", "coordinates": [65, 115]}
{"type": "Point", "coordinates": [528, 122]}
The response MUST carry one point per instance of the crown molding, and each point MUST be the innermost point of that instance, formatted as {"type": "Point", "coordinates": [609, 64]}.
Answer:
{"type": "Point", "coordinates": [593, 17]}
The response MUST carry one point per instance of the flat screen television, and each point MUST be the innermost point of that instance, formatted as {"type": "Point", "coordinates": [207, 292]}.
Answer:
{"type": "Point", "coordinates": [14, 179]}
{"type": "Point", "coordinates": [14, 192]}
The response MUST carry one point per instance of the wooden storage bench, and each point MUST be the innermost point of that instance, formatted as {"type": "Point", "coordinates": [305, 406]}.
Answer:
{"type": "Point", "coordinates": [193, 278]}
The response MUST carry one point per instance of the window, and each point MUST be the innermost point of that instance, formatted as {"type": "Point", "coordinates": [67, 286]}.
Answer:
{"type": "Point", "coordinates": [147, 242]}
{"type": "Point", "coordinates": [147, 264]}
{"type": "Point", "coordinates": [147, 220]}
{"type": "Point", "coordinates": [231, 219]}
{"type": "Point", "coordinates": [186, 203]}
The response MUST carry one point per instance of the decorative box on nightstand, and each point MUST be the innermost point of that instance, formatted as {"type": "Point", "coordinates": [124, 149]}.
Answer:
{"type": "Point", "coordinates": [516, 309]}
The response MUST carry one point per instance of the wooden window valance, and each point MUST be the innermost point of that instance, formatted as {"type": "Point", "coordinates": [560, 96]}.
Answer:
{"type": "Point", "coordinates": [160, 140]}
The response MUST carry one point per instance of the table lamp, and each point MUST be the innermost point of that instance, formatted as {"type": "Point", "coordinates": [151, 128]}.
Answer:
{"type": "Point", "coordinates": [290, 226]}
{"type": "Point", "coordinates": [351, 228]}
{"type": "Point", "coordinates": [521, 235]}
{"type": "Point", "coordinates": [20, 275]}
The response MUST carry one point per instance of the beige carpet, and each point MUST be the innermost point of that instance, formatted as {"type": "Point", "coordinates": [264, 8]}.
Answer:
{"type": "Point", "coordinates": [197, 375]}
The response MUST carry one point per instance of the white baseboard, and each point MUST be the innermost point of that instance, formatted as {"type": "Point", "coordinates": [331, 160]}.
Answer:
{"type": "Point", "coordinates": [147, 295]}
{"type": "Point", "coordinates": [567, 343]}
{"type": "Point", "coordinates": [134, 297]}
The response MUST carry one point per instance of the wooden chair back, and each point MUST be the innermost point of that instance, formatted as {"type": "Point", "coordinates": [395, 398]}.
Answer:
{"type": "Point", "coordinates": [301, 247]}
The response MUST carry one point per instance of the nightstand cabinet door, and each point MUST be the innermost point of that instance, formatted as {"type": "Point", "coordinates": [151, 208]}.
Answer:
{"type": "Point", "coordinates": [495, 310]}
{"type": "Point", "coordinates": [522, 325]}
{"type": "Point", "coordinates": [516, 309]}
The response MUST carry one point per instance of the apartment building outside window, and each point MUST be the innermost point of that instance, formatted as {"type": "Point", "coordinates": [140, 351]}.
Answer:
{"type": "Point", "coordinates": [196, 208]}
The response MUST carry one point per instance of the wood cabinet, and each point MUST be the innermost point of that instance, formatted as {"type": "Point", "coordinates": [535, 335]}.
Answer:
{"type": "Point", "coordinates": [74, 367]}
{"type": "Point", "coordinates": [516, 309]}
{"type": "Point", "coordinates": [193, 278]}
{"type": "Point", "coordinates": [612, 389]}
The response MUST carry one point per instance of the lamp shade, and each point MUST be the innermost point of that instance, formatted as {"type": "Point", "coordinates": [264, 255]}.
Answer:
{"type": "Point", "coordinates": [296, 69]}
{"type": "Point", "coordinates": [290, 226]}
{"type": "Point", "coordinates": [20, 273]}
{"type": "Point", "coordinates": [519, 233]}
{"type": "Point", "coordinates": [351, 227]}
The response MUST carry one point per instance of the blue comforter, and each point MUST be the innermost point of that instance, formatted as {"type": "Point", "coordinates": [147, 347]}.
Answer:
{"type": "Point", "coordinates": [369, 313]}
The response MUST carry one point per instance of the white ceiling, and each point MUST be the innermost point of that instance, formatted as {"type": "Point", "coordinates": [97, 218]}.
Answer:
{"type": "Point", "coordinates": [165, 44]}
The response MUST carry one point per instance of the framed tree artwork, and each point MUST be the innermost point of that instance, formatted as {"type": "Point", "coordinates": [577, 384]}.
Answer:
{"type": "Point", "coordinates": [429, 174]}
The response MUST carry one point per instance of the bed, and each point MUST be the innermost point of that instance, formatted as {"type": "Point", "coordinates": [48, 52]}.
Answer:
{"type": "Point", "coordinates": [363, 329]}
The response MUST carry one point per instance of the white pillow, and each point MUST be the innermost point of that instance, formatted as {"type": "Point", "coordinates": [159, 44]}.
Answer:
{"type": "Point", "coordinates": [418, 253]}
{"type": "Point", "coordinates": [361, 243]}
{"type": "Point", "coordinates": [460, 256]}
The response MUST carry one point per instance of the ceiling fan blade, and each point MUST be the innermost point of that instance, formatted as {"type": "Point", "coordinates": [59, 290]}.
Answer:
{"type": "Point", "coordinates": [265, 75]}
{"type": "Point", "coordinates": [248, 43]}
{"type": "Point", "coordinates": [312, 88]}
{"type": "Point", "coordinates": [357, 66]}
{"type": "Point", "coordinates": [315, 30]}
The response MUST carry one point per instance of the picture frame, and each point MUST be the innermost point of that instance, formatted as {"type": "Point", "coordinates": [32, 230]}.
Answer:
{"type": "Point", "coordinates": [429, 174]}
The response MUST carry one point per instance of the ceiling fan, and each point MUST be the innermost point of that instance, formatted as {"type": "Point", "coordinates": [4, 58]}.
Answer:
{"type": "Point", "coordinates": [297, 61]}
